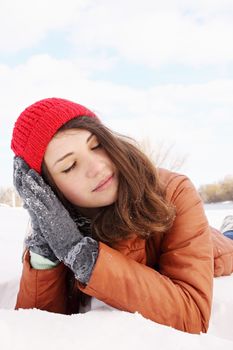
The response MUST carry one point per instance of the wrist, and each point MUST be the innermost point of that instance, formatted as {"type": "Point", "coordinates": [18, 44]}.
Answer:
{"type": "Point", "coordinates": [82, 257]}
{"type": "Point", "coordinates": [40, 262]}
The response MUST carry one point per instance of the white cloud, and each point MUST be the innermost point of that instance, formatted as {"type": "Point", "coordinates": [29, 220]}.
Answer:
{"type": "Point", "coordinates": [153, 34]}
{"type": "Point", "coordinates": [24, 23]}
{"type": "Point", "coordinates": [149, 32]}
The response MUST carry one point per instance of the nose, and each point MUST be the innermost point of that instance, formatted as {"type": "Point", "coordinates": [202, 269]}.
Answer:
{"type": "Point", "coordinates": [94, 166]}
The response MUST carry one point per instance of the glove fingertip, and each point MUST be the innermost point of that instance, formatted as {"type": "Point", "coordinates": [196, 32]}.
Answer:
{"type": "Point", "coordinates": [25, 205]}
{"type": "Point", "coordinates": [20, 164]}
{"type": "Point", "coordinates": [34, 174]}
{"type": "Point", "coordinates": [38, 179]}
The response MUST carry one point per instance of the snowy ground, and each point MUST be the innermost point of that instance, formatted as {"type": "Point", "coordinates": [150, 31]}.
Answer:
{"type": "Point", "coordinates": [103, 327]}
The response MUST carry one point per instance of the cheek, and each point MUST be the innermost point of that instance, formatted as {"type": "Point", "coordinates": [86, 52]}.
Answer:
{"type": "Point", "coordinates": [74, 198]}
{"type": "Point", "coordinates": [74, 192]}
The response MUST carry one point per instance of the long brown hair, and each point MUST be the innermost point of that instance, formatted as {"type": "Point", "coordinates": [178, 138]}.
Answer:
{"type": "Point", "coordinates": [141, 206]}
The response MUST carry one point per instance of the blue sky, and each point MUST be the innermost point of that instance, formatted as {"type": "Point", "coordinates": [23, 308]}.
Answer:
{"type": "Point", "coordinates": [161, 72]}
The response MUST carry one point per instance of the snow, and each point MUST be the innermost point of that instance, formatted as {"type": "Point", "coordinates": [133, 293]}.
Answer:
{"type": "Point", "coordinates": [103, 327]}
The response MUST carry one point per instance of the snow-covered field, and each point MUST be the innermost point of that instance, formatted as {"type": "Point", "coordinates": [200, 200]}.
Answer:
{"type": "Point", "coordinates": [102, 327]}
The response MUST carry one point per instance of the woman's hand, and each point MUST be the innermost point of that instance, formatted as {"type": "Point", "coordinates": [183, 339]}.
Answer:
{"type": "Point", "coordinates": [55, 223]}
{"type": "Point", "coordinates": [35, 241]}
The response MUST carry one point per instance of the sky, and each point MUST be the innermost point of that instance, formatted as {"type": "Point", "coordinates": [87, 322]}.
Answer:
{"type": "Point", "coordinates": [159, 71]}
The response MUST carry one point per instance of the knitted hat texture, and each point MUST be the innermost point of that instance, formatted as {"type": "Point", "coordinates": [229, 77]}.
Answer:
{"type": "Point", "coordinates": [37, 124]}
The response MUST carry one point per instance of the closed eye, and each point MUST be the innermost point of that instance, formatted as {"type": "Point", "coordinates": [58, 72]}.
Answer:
{"type": "Point", "coordinates": [97, 146]}
{"type": "Point", "coordinates": [70, 168]}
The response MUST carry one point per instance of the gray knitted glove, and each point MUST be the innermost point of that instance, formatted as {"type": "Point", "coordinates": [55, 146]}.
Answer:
{"type": "Point", "coordinates": [35, 242]}
{"type": "Point", "coordinates": [227, 224]}
{"type": "Point", "coordinates": [57, 227]}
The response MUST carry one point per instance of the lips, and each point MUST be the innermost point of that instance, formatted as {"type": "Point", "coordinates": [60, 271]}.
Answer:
{"type": "Point", "coordinates": [103, 182]}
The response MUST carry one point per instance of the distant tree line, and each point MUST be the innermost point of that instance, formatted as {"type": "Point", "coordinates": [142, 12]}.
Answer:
{"type": "Point", "coordinates": [218, 192]}
{"type": "Point", "coordinates": [163, 155]}
{"type": "Point", "coordinates": [9, 196]}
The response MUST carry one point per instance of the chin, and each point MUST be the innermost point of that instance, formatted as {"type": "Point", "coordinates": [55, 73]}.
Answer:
{"type": "Point", "coordinates": [106, 203]}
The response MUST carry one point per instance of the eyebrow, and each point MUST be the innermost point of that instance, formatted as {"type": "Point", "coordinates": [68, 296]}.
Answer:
{"type": "Point", "coordinates": [71, 153]}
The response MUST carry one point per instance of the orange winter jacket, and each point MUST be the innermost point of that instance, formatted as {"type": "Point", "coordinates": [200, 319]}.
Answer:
{"type": "Point", "coordinates": [168, 279]}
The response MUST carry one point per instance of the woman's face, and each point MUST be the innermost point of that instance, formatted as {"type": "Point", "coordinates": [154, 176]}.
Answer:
{"type": "Point", "coordinates": [82, 169]}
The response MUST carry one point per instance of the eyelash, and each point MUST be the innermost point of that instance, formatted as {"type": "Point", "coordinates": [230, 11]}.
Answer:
{"type": "Point", "coordinates": [70, 168]}
{"type": "Point", "coordinates": [97, 146]}
{"type": "Point", "coordinates": [74, 164]}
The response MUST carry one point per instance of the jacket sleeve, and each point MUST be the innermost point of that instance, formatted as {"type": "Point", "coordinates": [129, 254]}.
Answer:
{"type": "Point", "coordinates": [180, 293]}
{"type": "Point", "coordinates": [42, 289]}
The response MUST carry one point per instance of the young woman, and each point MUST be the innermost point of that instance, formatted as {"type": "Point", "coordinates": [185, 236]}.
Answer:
{"type": "Point", "coordinates": [106, 223]}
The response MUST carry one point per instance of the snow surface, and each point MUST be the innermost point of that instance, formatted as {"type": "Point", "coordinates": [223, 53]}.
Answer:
{"type": "Point", "coordinates": [103, 327]}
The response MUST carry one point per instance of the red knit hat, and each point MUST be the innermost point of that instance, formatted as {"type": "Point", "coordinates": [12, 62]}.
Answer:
{"type": "Point", "coordinates": [38, 123]}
